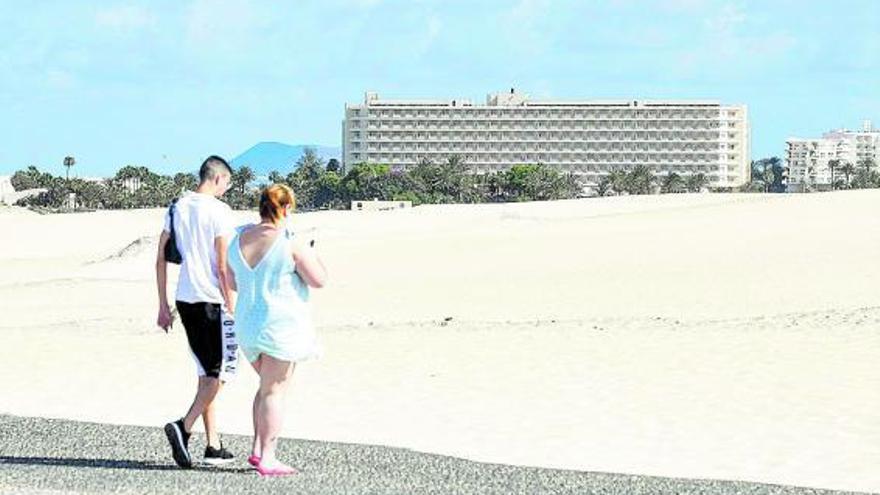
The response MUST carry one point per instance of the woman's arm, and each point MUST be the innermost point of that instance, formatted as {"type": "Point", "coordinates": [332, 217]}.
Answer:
{"type": "Point", "coordinates": [230, 278]}
{"type": "Point", "coordinates": [309, 265]}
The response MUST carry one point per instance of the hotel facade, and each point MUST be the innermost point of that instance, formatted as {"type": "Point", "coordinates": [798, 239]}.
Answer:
{"type": "Point", "coordinates": [807, 159]}
{"type": "Point", "coordinates": [586, 137]}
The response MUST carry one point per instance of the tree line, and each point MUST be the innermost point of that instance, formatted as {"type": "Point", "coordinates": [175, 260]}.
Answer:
{"type": "Point", "coordinates": [768, 175]}
{"type": "Point", "coordinates": [642, 180]}
{"type": "Point", "coordinates": [323, 185]}
{"type": "Point", "coordinates": [317, 184]}
{"type": "Point", "coordinates": [848, 176]}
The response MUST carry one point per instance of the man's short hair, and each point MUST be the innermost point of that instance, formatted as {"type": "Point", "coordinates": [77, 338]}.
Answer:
{"type": "Point", "coordinates": [212, 167]}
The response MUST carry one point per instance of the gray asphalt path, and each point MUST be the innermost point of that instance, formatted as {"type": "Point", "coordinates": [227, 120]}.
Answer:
{"type": "Point", "coordinates": [58, 456]}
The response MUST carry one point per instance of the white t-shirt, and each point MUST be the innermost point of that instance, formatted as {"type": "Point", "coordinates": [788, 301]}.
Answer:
{"type": "Point", "coordinates": [198, 220]}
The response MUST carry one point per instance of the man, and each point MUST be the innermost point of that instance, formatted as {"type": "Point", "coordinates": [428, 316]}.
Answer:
{"type": "Point", "coordinates": [202, 227]}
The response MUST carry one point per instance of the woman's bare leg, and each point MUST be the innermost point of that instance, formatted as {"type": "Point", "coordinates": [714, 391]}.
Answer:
{"type": "Point", "coordinates": [274, 378]}
{"type": "Point", "coordinates": [256, 449]}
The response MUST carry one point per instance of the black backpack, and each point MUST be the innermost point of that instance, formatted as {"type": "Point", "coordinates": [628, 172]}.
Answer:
{"type": "Point", "coordinates": [172, 254]}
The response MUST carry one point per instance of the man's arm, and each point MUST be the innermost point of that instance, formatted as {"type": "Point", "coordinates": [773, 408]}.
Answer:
{"type": "Point", "coordinates": [227, 288]}
{"type": "Point", "coordinates": [164, 319]}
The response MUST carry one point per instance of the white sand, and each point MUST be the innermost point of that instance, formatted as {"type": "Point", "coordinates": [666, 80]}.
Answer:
{"type": "Point", "coordinates": [709, 336]}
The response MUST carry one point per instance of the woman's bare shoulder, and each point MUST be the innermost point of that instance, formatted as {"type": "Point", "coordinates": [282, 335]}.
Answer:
{"type": "Point", "coordinates": [249, 232]}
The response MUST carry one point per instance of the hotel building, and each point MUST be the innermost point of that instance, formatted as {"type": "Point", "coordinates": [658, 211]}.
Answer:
{"type": "Point", "coordinates": [589, 138]}
{"type": "Point", "coordinates": [807, 160]}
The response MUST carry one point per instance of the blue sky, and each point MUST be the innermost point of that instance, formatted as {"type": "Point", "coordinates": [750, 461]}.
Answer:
{"type": "Point", "coordinates": [165, 83]}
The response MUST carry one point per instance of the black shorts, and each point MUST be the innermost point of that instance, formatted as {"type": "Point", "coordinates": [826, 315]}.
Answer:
{"type": "Point", "coordinates": [211, 339]}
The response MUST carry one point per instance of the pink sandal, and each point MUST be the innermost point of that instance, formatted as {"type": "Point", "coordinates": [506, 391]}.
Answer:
{"type": "Point", "coordinates": [253, 460]}
{"type": "Point", "coordinates": [281, 471]}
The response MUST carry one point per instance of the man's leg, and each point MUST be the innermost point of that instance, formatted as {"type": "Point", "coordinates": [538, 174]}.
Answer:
{"type": "Point", "coordinates": [203, 406]}
{"type": "Point", "coordinates": [209, 420]}
{"type": "Point", "coordinates": [202, 322]}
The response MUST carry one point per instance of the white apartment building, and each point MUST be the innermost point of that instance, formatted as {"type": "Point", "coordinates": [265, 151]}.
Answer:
{"type": "Point", "coordinates": [586, 137]}
{"type": "Point", "coordinates": [807, 160]}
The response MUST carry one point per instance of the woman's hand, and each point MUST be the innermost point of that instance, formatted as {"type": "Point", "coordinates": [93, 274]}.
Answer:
{"type": "Point", "coordinates": [308, 264]}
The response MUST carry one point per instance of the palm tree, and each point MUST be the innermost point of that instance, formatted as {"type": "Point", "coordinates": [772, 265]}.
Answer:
{"type": "Point", "coordinates": [872, 178]}
{"type": "Point", "coordinates": [310, 164]}
{"type": "Point", "coordinates": [242, 196]}
{"type": "Point", "coordinates": [769, 177]}
{"type": "Point", "coordinates": [848, 171]}
{"type": "Point", "coordinates": [543, 183]}
{"type": "Point", "coordinates": [453, 175]}
{"type": "Point", "coordinates": [275, 177]}
{"type": "Point", "coordinates": [603, 186]}
{"type": "Point", "coordinates": [775, 164]}
{"type": "Point", "coordinates": [810, 178]}
{"type": "Point", "coordinates": [641, 180]}
{"type": "Point", "coordinates": [185, 182]}
{"type": "Point", "coordinates": [572, 186]}
{"type": "Point", "coordinates": [672, 183]}
{"type": "Point", "coordinates": [832, 164]}
{"type": "Point", "coordinates": [696, 182]}
{"type": "Point", "coordinates": [496, 186]}
{"type": "Point", "coordinates": [618, 180]}
{"type": "Point", "coordinates": [242, 177]}
{"type": "Point", "coordinates": [69, 161]}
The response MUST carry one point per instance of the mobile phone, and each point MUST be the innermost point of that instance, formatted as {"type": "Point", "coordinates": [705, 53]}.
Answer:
{"type": "Point", "coordinates": [312, 235]}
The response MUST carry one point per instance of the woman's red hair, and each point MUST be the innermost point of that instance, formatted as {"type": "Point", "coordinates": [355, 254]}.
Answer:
{"type": "Point", "coordinates": [274, 199]}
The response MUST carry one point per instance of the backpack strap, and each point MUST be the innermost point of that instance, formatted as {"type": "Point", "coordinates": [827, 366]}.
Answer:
{"type": "Point", "coordinates": [172, 253]}
{"type": "Point", "coordinates": [171, 215]}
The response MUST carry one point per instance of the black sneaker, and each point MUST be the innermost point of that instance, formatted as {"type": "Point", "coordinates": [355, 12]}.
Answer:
{"type": "Point", "coordinates": [179, 440]}
{"type": "Point", "coordinates": [216, 457]}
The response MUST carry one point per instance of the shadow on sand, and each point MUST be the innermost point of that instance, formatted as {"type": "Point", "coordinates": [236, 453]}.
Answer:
{"type": "Point", "coordinates": [110, 464]}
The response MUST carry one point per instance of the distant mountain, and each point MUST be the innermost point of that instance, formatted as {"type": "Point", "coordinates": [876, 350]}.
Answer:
{"type": "Point", "coordinates": [265, 157]}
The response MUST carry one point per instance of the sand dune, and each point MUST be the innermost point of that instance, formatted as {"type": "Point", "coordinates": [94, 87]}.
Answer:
{"type": "Point", "coordinates": [135, 248]}
{"type": "Point", "coordinates": [720, 336]}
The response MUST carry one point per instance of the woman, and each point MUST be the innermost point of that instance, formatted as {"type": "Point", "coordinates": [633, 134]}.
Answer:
{"type": "Point", "coordinates": [272, 271]}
